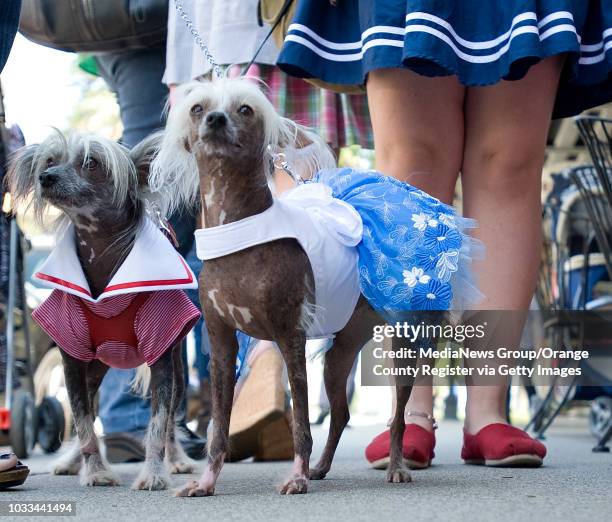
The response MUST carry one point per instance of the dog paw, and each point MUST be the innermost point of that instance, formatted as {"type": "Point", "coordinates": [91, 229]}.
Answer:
{"type": "Point", "coordinates": [103, 477]}
{"type": "Point", "coordinates": [318, 473]}
{"type": "Point", "coordinates": [72, 468]}
{"type": "Point", "coordinates": [176, 468]}
{"type": "Point", "coordinates": [151, 482]}
{"type": "Point", "coordinates": [398, 475]}
{"type": "Point", "coordinates": [294, 486]}
{"type": "Point", "coordinates": [195, 489]}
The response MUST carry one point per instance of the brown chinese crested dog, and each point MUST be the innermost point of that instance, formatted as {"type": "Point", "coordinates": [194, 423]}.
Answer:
{"type": "Point", "coordinates": [218, 138]}
{"type": "Point", "coordinates": [101, 189]}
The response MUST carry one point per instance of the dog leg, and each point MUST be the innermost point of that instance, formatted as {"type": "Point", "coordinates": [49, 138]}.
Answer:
{"type": "Point", "coordinates": [153, 475]}
{"type": "Point", "coordinates": [397, 472]}
{"type": "Point", "coordinates": [293, 349]}
{"type": "Point", "coordinates": [223, 380]}
{"type": "Point", "coordinates": [70, 464]}
{"type": "Point", "coordinates": [338, 363]}
{"type": "Point", "coordinates": [94, 471]}
{"type": "Point", "coordinates": [176, 459]}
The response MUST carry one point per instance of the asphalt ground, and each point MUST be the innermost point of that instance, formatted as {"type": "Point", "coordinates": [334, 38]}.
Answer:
{"type": "Point", "coordinates": [575, 484]}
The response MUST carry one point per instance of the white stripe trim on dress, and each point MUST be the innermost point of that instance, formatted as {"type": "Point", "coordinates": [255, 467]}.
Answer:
{"type": "Point", "coordinates": [591, 48]}
{"type": "Point", "coordinates": [527, 16]}
{"type": "Point", "coordinates": [468, 57]}
{"type": "Point", "coordinates": [379, 42]}
{"type": "Point", "coordinates": [590, 60]}
{"type": "Point", "coordinates": [509, 35]}
{"type": "Point", "coordinates": [326, 43]}
{"type": "Point", "coordinates": [563, 28]}
{"type": "Point", "coordinates": [389, 29]}
{"type": "Point", "coordinates": [324, 54]}
{"type": "Point", "coordinates": [347, 46]}
{"type": "Point", "coordinates": [553, 17]}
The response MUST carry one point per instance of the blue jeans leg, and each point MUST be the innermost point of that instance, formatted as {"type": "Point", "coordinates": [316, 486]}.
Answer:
{"type": "Point", "coordinates": [202, 360]}
{"type": "Point", "coordinates": [120, 409]}
{"type": "Point", "coordinates": [202, 343]}
{"type": "Point", "coordinates": [135, 78]}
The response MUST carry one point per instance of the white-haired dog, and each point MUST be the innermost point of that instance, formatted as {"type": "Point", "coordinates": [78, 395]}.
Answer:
{"type": "Point", "coordinates": [280, 269]}
{"type": "Point", "coordinates": [117, 284]}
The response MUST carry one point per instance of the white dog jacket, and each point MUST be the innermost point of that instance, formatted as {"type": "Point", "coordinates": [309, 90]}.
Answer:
{"type": "Point", "coordinates": [328, 230]}
{"type": "Point", "coordinates": [133, 321]}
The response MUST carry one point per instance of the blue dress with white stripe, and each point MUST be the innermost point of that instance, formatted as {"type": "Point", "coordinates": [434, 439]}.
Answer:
{"type": "Point", "coordinates": [479, 42]}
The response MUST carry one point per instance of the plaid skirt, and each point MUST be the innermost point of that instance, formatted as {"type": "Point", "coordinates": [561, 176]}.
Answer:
{"type": "Point", "coordinates": [341, 119]}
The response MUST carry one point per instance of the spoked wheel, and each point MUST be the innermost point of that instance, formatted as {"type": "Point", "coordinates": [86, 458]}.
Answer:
{"type": "Point", "coordinates": [600, 417]}
{"type": "Point", "coordinates": [51, 424]}
{"type": "Point", "coordinates": [23, 424]}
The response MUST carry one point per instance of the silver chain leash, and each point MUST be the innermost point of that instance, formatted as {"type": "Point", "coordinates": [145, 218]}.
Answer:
{"type": "Point", "coordinates": [279, 159]}
{"type": "Point", "coordinates": [178, 4]}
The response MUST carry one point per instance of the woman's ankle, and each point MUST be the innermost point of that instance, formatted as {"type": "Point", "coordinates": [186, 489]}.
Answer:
{"type": "Point", "coordinates": [473, 424]}
{"type": "Point", "coordinates": [422, 418]}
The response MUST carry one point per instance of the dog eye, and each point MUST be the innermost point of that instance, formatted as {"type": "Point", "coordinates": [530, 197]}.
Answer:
{"type": "Point", "coordinates": [91, 164]}
{"type": "Point", "coordinates": [245, 110]}
{"type": "Point", "coordinates": [50, 163]}
{"type": "Point", "coordinates": [197, 109]}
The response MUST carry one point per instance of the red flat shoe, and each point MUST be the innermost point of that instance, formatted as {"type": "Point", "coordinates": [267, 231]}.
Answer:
{"type": "Point", "coordinates": [502, 445]}
{"type": "Point", "coordinates": [417, 448]}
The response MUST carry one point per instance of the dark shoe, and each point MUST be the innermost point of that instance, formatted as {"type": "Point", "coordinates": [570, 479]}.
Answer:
{"type": "Point", "coordinates": [12, 472]}
{"type": "Point", "coordinates": [193, 445]}
{"type": "Point", "coordinates": [124, 446]}
{"type": "Point", "coordinates": [129, 446]}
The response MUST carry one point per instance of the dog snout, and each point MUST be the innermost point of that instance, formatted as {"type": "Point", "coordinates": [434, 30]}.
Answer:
{"type": "Point", "coordinates": [48, 178]}
{"type": "Point", "coordinates": [216, 120]}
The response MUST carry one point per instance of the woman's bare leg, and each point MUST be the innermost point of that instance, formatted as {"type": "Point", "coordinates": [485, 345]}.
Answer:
{"type": "Point", "coordinates": [418, 133]}
{"type": "Point", "coordinates": [505, 137]}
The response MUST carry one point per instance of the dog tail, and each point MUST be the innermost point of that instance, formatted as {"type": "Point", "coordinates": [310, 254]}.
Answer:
{"type": "Point", "coordinates": [142, 380]}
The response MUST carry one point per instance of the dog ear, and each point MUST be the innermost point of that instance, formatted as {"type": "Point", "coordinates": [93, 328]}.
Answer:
{"type": "Point", "coordinates": [304, 148]}
{"type": "Point", "coordinates": [143, 153]}
{"type": "Point", "coordinates": [21, 177]}
{"type": "Point", "coordinates": [173, 176]}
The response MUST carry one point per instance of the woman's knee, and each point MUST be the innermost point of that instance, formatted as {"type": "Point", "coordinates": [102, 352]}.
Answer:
{"type": "Point", "coordinates": [422, 163]}
{"type": "Point", "coordinates": [418, 128]}
{"type": "Point", "coordinates": [504, 170]}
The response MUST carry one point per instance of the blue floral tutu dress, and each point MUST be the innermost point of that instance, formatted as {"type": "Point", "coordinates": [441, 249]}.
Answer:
{"type": "Point", "coordinates": [478, 41]}
{"type": "Point", "coordinates": [413, 252]}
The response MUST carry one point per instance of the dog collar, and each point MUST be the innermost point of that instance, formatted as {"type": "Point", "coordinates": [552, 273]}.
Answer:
{"type": "Point", "coordinates": [152, 264]}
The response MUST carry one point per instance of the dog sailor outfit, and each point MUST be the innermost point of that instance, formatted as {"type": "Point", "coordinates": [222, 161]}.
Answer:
{"type": "Point", "coordinates": [141, 313]}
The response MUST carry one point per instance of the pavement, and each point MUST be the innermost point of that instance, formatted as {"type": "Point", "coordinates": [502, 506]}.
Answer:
{"type": "Point", "coordinates": [574, 485]}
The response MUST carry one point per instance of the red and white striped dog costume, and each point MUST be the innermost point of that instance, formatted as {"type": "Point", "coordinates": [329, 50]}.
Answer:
{"type": "Point", "coordinates": [142, 312]}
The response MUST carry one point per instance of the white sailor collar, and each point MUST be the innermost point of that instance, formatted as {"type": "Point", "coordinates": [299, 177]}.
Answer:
{"type": "Point", "coordinates": [152, 264]}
